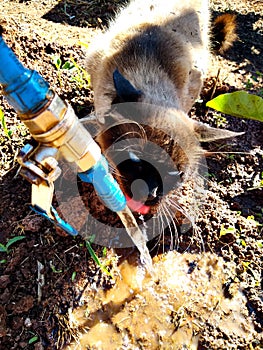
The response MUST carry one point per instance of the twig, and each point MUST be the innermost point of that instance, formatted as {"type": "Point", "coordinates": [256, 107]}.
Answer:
{"type": "Point", "coordinates": [215, 84]}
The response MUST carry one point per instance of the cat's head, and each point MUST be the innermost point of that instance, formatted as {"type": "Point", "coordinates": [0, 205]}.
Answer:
{"type": "Point", "coordinates": [154, 150]}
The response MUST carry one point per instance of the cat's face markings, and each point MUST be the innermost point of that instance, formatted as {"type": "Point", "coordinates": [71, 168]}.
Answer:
{"type": "Point", "coordinates": [126, 92]}
{"type": "Point", "coordinates": [146, 181]}
{"type": "Point", "coordinates": [147, 176]}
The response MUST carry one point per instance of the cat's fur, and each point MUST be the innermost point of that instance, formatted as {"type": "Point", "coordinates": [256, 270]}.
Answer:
{"type": "Point", "coordinates": [155, 52]}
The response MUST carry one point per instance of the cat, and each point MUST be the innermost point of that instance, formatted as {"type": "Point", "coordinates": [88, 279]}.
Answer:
{"type": "Point", "coordinates": [147, 70]}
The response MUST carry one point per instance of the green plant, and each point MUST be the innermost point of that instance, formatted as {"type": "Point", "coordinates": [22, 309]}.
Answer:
{"type": "Point", "coordinates": [249, 84]}
{"type": "Point", "coordinates": [73, 276]}
{"type": "Point", "coordinates": [3, 123]}
{"type": "Point", "coordinates": [104, 252]}
{"type": "Point", "coordinates": [78, 74]}
{"type": "Point", "coordinates": [57, 62]}
{"type": "Point", "coordinates": [219, 119]}
{"type": "Point", "coordinates": [224, 231]}
{"type": "Point", "coordinates": [260, 185]}
{"type": "Point", "coordinates": [251, 219]}
{"type": "Point", "coordinates": [97, 260]}
{"type": "Point", "coordinates": [81, 43]}
{"type": "Point", "coordinates": [33, 339]}
{"type": "Point", "coordinates": [241, 241]}
{"type": "Point", "coordinates": [231, 156]}
{"type": "Point", "coordinates": [258, 75]}
{"type": "Point", "coordinates": [53, 268]}
{"type": "Point", "coordinates": [253, 272]}
{"type": "Point", "coordinates": [11, 241]}
{"type": "Point", "coordinates": [81, 76]}
{"type": "Point", "coordinates": [239, 104]}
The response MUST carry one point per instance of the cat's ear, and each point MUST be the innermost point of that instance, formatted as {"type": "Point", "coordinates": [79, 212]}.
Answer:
{"type": "Point", "coordinates": [206, 133]}
{"type": "Point", "coordinates": [126, 92]}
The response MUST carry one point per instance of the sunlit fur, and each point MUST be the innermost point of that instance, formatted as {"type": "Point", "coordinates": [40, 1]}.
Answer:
{"type": "Point", "coordinates": [162, 48]}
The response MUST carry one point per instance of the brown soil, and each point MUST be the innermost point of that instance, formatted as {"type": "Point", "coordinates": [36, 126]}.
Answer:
{"type": "Point", "coordinates": [51, 289]}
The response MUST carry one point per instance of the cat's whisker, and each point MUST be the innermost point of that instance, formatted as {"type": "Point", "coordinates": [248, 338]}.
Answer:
{"type": "Point", "coordinates": [179, 208]}
{"type": "Point", "coordinates": [158, 234]}
{"type": "Point", "coordinates": [211, 153]}
{"type": "Point", "coordinates": [174, 225]}
{"type": "Point", "coordinates": [162, 231]}
{"type": "Point", "coordinates": [115, 172]}
{"type": "Point", "coordinates": [166, 217]}
{"type": "Point", "coordinates": [173, 203]}
{"type": "Point", "coordinates": [198, 233]}
{"type": "Point", "coordinates": [171, 216]}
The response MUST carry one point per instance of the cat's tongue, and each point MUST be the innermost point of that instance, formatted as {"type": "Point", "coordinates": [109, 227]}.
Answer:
{"type": "Point", "coordinates": [137, 206]}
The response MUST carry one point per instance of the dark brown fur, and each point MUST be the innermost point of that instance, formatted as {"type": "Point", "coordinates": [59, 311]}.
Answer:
{"type": "Point", "coordinates": [224, 32]}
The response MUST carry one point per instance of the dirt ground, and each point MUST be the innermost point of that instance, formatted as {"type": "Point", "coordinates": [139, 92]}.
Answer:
{"type": "Point", "coordinates": [51, 291]}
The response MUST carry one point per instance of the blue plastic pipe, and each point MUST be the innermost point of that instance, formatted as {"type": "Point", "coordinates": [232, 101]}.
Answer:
{"type": "Point", "coordinates": [105, 185]}
{"type": "Point", "coordinates": [24, 89]}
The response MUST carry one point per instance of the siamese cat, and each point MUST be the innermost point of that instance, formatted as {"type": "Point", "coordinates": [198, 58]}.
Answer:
{"type": "Point", "coordinates": [147, 70]}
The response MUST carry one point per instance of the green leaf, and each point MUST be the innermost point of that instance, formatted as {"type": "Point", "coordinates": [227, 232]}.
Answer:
{"type": "Point", "coordinates": [104, 252]}
{"type": "Point", "coordinates": [239, 104]}
{"type": "Point", "coordinates": [68, 65]}
{"type": "Point", "coordinates": [2, 116]}
{"type": "Point", "coordinates": [57, 61]}
{"type": "Point", "coordinates": [3, 123]}
{"type": "Point", "coordinates": [33, 339]}
{"type": "Point", "coordinates": [224, 231]}
{"type": "Point", "coordinates": [14, 240]}
{"type": "Point", "coordinates": [97, 260]}
{"type": "Point", "coordinates": [73, 276]}
{"type": "Point", "coordinates": [53, 268]}
{"type": "Point", "coordinates": [81, 43]}
{"type": "Point", "coordinates": [3, 248]}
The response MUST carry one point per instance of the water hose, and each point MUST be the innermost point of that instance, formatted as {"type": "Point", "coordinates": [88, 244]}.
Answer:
{"type": "Point", "coordinates": [56, 128]}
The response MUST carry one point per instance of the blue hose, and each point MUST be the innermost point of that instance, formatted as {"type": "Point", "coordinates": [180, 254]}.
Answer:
{"type": "Point", "coordinates": [24, 89]}
{"type": "Point", "coordinates": [105, 185]}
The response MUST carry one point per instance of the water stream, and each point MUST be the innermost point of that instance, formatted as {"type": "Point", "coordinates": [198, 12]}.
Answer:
{"type": "Point", "coordinates": [138, 237]}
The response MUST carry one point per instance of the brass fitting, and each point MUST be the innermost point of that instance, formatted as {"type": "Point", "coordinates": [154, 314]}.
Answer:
{"type": "Point", "coordinates": [57, 126]}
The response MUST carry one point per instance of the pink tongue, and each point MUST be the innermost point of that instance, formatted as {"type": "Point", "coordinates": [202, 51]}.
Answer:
{"type": "Point", "coordinates": [137, 206]}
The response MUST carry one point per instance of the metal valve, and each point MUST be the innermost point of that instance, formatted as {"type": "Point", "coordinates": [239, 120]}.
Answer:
{"type": "Point", "coordinates": [56, 128]}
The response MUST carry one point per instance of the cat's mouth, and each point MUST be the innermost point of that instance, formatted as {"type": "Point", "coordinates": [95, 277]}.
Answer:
{"type": "Point", "coordinates": [145, 170]}
{"type": "Point", "coordinates": [137, 206]}
{"type": "Point", "coordinates": [143, 185]}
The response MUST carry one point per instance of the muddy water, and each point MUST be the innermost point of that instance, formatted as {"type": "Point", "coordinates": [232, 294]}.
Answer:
{"type": "Point", "coordinates": [170, 311]}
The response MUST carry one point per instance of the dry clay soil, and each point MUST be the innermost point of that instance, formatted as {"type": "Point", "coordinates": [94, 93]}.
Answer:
{"type": "Point", "coordinates": [51, 291]}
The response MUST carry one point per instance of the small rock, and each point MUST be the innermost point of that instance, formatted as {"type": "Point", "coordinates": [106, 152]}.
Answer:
{"type": "Point", "coordinates": [3, 316]}
{"type": "Point", "coordinates": [28, 322]}
{"type": "Point", "coordinates": [23, 344]}
{"type": "Point", "coordinates": [4, 281]}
